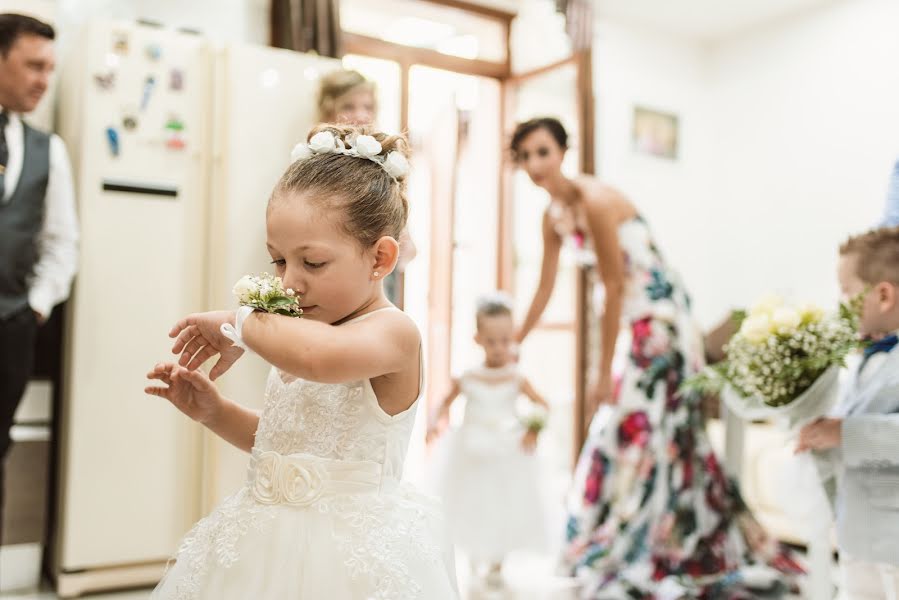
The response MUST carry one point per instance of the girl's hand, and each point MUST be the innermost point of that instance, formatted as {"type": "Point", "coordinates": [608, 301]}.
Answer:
{"type": "Point", "coordinates": [519, 338]}
{"type": "Point", "coordinates": [434, 432]}
{"type": "Point", "coordinates": [199, 337]}
{"type": "Point", "coordinates": [192, 392]}
{"type": "Point", "coordinates": [529, 441]}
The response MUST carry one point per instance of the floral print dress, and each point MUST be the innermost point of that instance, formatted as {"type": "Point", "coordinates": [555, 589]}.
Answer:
{"type": "Point", "coordinates": [651, 513]}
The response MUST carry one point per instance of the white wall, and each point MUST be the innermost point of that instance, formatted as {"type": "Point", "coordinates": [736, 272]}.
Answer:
{"type": "Point", "coordinates": [808, 129]}
{"type": "Point", "coordinates": [788, 133]}
{"type": "Point", "coordinates": [641, 67]}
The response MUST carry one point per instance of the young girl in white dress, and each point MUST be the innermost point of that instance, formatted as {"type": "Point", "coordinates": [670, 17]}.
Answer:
{"type": "Point", "coordinates": [488, 476]}
{"type": "Point", "coordinates": [323, 515]}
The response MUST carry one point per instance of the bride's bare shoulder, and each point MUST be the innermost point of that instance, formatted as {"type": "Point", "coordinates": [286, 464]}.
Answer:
{"type": "Point", "coordinates": [604, 197]}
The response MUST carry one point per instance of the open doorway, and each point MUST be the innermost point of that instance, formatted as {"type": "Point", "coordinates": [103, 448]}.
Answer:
{"type": "Point", "coordinates": [444, 77]}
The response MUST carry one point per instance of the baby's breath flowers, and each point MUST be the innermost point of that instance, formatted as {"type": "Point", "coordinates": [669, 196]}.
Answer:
{"type": "Point", "coordinates": [781, 350]}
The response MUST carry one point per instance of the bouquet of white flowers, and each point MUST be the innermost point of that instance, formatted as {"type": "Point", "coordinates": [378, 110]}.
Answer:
{"type": "Point", "coordinates": [783, 360]}
{"type": "Point", "coordinates": [266, 293]}
{"type": "Point", "coordinates": [533, 417]}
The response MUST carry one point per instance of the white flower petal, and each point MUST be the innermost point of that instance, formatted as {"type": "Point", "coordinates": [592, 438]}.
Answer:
{"type": "Point", "coordinates": [300, 152]}
{"type": "Point", "coordinates": [244, 287]}
{"type": "Point", "coordinates": [323, 142]}
{"type": "Point", "coordinates": [367, 146]}
{"type": "Point", "coordinates": [396, 165]}
{"type": "Point", "coordinates": [785, 319]}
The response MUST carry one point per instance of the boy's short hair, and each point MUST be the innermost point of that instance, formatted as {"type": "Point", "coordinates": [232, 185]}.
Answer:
{"type": "Point", "coordinates": [878, 255]}
{"type": "Point", "coordinates": [493, 305]}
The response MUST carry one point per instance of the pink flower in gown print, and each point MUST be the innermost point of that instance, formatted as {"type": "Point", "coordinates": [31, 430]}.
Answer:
{"type": "Point", "coordinates": [640, 332]}
{"type": "Point", "coordinates": [599, 466]}
{"type": "Point", "coordinates": [634, 429]}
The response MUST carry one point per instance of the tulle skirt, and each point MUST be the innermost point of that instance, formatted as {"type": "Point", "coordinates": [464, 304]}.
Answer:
{"type": "Point", "coordinates": [491, 493]}
{"type": "Point", "coordinates": [381, 546]}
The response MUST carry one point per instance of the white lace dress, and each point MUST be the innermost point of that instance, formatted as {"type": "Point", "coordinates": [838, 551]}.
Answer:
{"type": "Point", "coordinates": [323, 515]}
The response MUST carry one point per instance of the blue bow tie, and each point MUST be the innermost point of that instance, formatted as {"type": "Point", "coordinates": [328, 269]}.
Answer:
{"type": "Point", "coordinates": [882, 345]}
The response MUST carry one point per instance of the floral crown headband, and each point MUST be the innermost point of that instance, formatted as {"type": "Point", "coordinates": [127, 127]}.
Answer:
{"type": "Point", "coordinates": [360, 146]}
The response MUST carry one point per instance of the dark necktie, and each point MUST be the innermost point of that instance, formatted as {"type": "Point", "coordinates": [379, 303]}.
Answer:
{"type": "Point", "coordinates": [885, 344]}
{"type": "Point", "coordinates": [4, 151]}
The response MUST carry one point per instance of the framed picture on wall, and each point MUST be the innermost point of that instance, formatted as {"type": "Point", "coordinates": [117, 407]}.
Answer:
{"type": "Point", "coordinates": [655, 132]}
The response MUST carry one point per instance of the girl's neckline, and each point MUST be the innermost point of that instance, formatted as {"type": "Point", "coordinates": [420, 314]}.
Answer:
{"type": "Point", "coordinates": [368, 314]}
{"type": "Point", "coordinates": [487, 367]}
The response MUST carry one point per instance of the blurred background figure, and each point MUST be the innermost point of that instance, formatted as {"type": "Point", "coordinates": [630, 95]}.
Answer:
{"type": "Point", "coordinates": [488, 476]}
{"type": "Point", "coordinates": [346, 96]}
{"type": "Point", "coordinates": [38, 226]}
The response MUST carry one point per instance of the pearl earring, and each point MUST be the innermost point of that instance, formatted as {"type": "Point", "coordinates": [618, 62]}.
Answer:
{"type": "Point", "coordinates": [376, 273]}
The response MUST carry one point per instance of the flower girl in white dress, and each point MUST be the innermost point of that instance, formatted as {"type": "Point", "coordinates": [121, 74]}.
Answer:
{"type": "Point", "coordinates": [323, 515]}
{"type": "Point", "coordinates": [486, 473]}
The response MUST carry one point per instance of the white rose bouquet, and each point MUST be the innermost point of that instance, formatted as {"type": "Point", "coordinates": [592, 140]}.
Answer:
{"type": "Point", "coordinates": [266, 293]}
{"type": "Point", "coordinates": [784, 360]}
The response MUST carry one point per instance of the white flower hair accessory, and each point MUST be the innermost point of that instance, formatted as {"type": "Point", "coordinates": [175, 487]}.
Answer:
{"type": "Point", "coordinates": [360, 146]}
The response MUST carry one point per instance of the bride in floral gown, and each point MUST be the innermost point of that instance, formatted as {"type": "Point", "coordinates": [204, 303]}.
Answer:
{"type": "Point", "coordinates": [651, 513]}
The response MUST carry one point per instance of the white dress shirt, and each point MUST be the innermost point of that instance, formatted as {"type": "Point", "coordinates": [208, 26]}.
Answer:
{"type": "Point", "coordinates": [872, 365]}
{"type": "Point", "coordinates": [58, 238]}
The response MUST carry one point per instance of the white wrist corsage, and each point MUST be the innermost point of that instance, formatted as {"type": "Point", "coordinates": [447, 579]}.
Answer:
{"type": "Point", "coordinates": [263, 293]}
{"type": "Point", "coordinates": [266, 293]}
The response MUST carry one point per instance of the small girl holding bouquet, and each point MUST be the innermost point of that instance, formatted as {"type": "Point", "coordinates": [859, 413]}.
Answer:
{"type": "Point", "coordinates": [323, 513]}
{"type": "Point", "coordinates": [488, 474]}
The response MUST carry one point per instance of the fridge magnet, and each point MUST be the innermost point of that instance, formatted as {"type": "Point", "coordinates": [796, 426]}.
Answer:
{"type": "Point", "coordinates": [129, 122]}
{"type": "Point", "coordinates": [149, 84]}
{"type": "Point", "coordinates": [112, 138]}
{"type": "Point", "coordinates": [153, 51]}
{"type": "Point", "coordinates": [176, 80]}
{"type": "Point", "coordinates": [174, 124]}
{"type": "Point", "coordinates": [175, 134]}
{"type": "Point", "coordinates": [120, 42]}
{"type": "Point", "coordinates": [105, 81]}
{"type": "Point", "coordinates": [175, 142]}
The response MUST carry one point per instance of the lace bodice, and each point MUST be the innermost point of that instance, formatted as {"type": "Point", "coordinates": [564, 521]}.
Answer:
{"type": "Point", "coordinates": [491, 395]}
{"type": "Point", "coordinates": [339, 421]}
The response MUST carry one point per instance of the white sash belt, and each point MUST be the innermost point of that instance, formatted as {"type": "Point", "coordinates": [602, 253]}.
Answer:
{"type": "Point", "coordinates": [301, 479]}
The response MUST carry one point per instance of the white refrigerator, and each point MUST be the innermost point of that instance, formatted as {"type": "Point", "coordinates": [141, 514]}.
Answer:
{"type": "Point", "coordinates": [176, 146]}
{"type": "Point", "coordinates": [265, 104]}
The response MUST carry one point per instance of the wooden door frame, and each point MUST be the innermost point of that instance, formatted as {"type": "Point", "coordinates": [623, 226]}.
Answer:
{"type": "Point", "coordinates": [408, 56]}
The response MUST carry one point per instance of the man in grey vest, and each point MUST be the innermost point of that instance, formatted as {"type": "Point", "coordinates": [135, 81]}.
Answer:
{"type": "Point", "coordinates": [38, 226]}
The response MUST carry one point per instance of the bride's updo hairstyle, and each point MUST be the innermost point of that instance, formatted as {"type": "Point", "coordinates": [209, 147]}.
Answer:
{"type": "Point", "coordinates": [523, 130]}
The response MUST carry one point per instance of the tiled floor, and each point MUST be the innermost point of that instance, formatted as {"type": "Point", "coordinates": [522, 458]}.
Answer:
{"type": "Point", "coordinates": [527, 577]}
{"type": "Point", "coordinates": [48, 595]}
